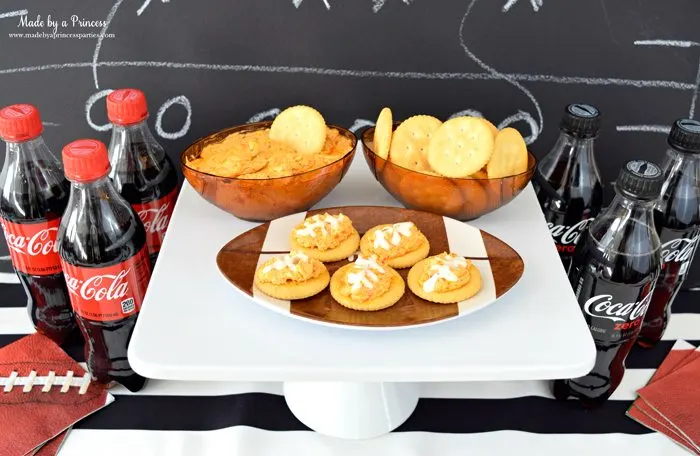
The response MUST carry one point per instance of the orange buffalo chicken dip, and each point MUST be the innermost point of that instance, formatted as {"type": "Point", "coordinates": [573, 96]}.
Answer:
{"type": "Point", "coordinates": [366, 279]}
{"type": "Point", "coordinates": [323, 231]}
{"type": "Point", "coordinates": [294, 267]}
{"type": "Point", "coordinates": [444, 272]}
{"type": "Point", "coordinates": [254, 155]}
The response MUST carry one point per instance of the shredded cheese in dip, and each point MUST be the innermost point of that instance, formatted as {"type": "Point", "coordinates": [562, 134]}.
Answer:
{"type": "Point", "coordinates": [323, 231]}
{"type": "Point", "coordinates": [366, 279]}
{"type": "Point", "coordinates": [293, 267]}
{"type": "Point", "coordinates": [450, 268]}
{"type": "Point", "coordinates": [393, 234]}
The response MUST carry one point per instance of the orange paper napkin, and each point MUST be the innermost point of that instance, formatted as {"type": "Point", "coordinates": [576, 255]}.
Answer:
{"type": "Point", "coordinates": [43, 392]}
{"type": "Point", "coordinates": [670, 403]}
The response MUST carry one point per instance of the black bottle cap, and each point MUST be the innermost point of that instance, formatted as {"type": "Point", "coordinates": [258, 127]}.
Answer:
{"type": "Point", "coordinates": [640, 179]}
{"type": "Point", "coordinates": [685, 135]}
{"type": "Point", "coordinates": [581, 120]}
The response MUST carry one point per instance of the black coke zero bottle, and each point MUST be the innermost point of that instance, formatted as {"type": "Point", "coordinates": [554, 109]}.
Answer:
{"type": "Point", "coordinates": [567, 180]}
{"type": "Point", "coordinates": [613, 273]}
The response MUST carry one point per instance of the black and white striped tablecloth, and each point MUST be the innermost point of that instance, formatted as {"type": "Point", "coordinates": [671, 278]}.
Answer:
{"type": "Point", "coordinates": [185, 418]}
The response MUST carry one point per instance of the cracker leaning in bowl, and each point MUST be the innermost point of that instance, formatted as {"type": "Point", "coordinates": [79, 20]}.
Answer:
{"type": "Point", "coordinates": [461, 147]}
{"type": "Point", "coordinates": [292, 276]}
{"type": "Point", "coordinates": [399, 245]}
{"type": "Point", "coordinates": [325, 237]}
{"type": "Point", "coordinates": [297, 141]}
{"type": "Point", "coordinates": [444, 279]}
{"type": "Point", "coordinates": [367, 285]}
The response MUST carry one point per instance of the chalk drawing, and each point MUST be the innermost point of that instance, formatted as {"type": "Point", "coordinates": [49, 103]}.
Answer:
{"type": "Point", "coordinates": [50, 124]}
{"type": "Point", "coordinates": [101, 37]}
{"type": "Point", "coordinates": [359, 124]}
{"type": "Point", "coordinates": [543, 78]}
{"type": "Point", "coordinates": [269, 114]}
{"type": "Point", "coordinates": [92, 99]}
{"type": "Point", "coordinates": [467, 113]}
{"type": "Point", "coordinates": [536, 5]}
{"type": "Point", "coordinates": [645, 128]}
{"type": "Point", "coordinates": [492, 71]}
{"type": "Point", "coordinates": [14, 13]}
{"type": "Point", "coordinates": [377, 5]}
{"type": "Point", "coordinates": [298, 3]}
{"type": "Point", "coordinates": [182, 101]}
{"type": "Point", "coordinates": [668, 43]}
{"type": "Point", "coordinates": [145, 5]}
{"type": "Point", "coordinates": [522, 116]}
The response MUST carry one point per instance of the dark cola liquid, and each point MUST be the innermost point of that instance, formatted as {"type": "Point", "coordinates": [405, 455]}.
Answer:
{"type": "Point", "coordinates": [85, 246]}
{"type": "Point", "coordinates": [680, 235]}
{"type": "Point", "coordinates": [143, 174]}
{"type": "Point", "coordinates": [30, 201]}
{"type": "Point", "coordinates": [614, 294]}
{"type": "Point", "coordinates": [569, 205]}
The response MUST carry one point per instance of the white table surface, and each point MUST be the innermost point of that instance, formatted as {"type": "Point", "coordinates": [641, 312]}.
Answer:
{"type": "Point", "coordinates": [195, 326]}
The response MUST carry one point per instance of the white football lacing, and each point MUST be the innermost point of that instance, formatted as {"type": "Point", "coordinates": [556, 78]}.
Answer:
{"type": "Point", "coordinates": [66, 381]}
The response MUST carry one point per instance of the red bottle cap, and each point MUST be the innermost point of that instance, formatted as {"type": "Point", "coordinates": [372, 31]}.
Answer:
{"type": "Point", "coordinates": [20, 122]}
{"type": "Point", "coordinates": [85, 160]}
{"type": "Point", "coordinates": [126, 106]}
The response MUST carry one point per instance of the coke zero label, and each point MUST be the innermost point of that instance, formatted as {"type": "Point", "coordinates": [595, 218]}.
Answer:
{"type": "Point", "coordinates": [33, 246]}
{"type": "Point", "coordinates": [155, 216]}
{"type": "Point", "coordinates": [604, 306]}
{"type": "Point", "coordinates": [566, 237]}
{"type": "Point", "coordinates": [110, 293]}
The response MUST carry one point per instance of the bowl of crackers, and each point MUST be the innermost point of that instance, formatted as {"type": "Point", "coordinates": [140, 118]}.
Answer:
{"type": "Point", "coordinates": [463, 168]}
{"type": "Point", "coordinates": [265, 170]}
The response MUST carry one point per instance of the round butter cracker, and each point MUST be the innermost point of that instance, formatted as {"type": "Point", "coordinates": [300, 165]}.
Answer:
{"type": "Point", "coordinates": [409, 143]}
{"type": "Point", "coordinates": [292, 291]}
{"type": "Point", "coordinates": [388, 299]}
{"type": "Point", "coordinates": [449, 297]}
{"type": "Point", "coordinates": [382, 133]}
{"type": "Point", "coordinates": [300, 127]}
{"type": "Point", "coordinates": [401, 262]}
{"type": "Point", "coordinates": [460, 147]}
{"type": "Point", "coordinates": [346, 248]}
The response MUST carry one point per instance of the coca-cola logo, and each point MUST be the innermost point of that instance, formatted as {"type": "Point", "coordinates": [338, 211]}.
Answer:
{"type": "Point", "coordinates": [41, 243]}
{"type": "Point", "coordinates": [156, 219]}
{"type": "Point", "coordinates": [678, 250]}
{"type": "Point", "coordinates": [601, 306]}
{"type": "Point", "coordinates": [568, 235]}
{"type": "Point", "coordinates": [108, 287]}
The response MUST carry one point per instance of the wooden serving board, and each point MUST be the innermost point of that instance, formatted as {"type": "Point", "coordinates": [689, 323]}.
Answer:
{"type": "Point", "coordinates": [501, 267]}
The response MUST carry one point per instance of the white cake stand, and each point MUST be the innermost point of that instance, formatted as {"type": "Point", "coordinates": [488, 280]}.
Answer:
{"type": "Point", "coordinates": [348, 383]}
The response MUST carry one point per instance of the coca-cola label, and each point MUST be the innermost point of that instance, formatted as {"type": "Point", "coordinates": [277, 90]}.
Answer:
{"type": "Point", "coordinates": [109, 293]}
{"type": "Point", "coordinates": [155, 216]}
{"type": "Point", "coordinates": [679, 250]}
{"type": "Point", "coordinates": [614, 311]}
{"type": "Point", "coordinates": [566, 236]}
{"type": "Point", "coordinates": [33, 247]}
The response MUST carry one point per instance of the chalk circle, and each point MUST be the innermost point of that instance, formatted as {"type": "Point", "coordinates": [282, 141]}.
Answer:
{"type": "Point", "coordinates": [182, 101]}
{"type": "Point", "coordinates": [524, 117]}
{"type": "Point", "coordinates": [88, 107]}
{"type": "Point", "coordinates": [269, 114]}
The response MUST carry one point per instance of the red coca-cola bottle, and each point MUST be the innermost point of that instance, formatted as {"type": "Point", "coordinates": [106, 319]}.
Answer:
{"type": "Point", "coordinates": [103, 251]}
{"type": "Point", "coordinates": [33, 196]}
{"type": "Point", "coordinates": [677, 219]}
{"type": "Point", "coordinates": [141, 170]}
{"type": "Point", "coordinates": [613, 272]}
{"type": "Point", "coordinates": [567, 180]}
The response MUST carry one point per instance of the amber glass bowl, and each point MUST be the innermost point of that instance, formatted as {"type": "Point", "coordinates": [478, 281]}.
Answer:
{"type": "Point", "coordinates": [265, 199]}
{"type": "Point", "coordinates": [462, 199]}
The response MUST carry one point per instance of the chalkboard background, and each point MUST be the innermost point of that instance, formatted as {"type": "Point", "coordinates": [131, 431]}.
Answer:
{"type": "Point", "coordinates": [205, 65]}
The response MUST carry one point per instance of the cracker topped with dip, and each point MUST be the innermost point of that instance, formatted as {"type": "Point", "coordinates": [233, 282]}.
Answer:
{"type": "Point", "coordinates": [297, 141]}
{"type": "Point", "coordinates": [399, 245]}
{"type": "Point", "coordinates": [326, 237]}
{"type": "Point", "coordinates": [444, 278]}
{"type": "Point", "coordinates": [367, 284]}
{"type": "Point", "coordinates": [292, 276]}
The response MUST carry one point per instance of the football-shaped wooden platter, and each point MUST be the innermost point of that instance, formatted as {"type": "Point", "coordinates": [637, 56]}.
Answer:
{"type": "Point", "coordinates": [500, 266]}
